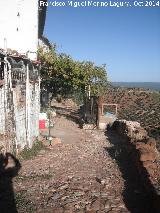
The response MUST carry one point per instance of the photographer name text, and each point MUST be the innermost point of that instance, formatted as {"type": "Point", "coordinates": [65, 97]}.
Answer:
{"type": "Point", "coordinates": [115, 4]}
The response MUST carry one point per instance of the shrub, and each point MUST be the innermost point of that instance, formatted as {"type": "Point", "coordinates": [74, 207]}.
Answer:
{"type": "Point", "coordinates": [29, 153]}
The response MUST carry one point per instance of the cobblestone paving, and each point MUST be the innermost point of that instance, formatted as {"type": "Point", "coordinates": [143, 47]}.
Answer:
{"type": "Point", "coordinates": [76, 175]}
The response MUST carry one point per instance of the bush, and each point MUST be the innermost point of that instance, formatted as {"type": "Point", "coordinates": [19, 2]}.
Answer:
{"type": "Point", "coordinates": [23, 204]}
{"type": "Point", "coordinates": [29, 153]}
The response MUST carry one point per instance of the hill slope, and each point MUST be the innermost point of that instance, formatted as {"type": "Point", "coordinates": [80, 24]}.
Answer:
{"type": "Point", "coordinates": [137, 105]}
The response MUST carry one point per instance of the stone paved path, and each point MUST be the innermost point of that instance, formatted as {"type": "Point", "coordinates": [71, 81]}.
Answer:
{"type": "Point", "coordinates": [76, 175]}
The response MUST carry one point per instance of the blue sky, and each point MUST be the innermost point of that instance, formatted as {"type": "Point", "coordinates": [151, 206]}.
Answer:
{"type": "Point", "coordinates": [127, 40]}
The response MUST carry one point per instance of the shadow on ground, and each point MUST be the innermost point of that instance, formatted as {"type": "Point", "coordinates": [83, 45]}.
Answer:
{"type": "Point", "coordinates": [135, 196]}
{"type": "Point", "coordinates": [7, 198]}
{"type": "Point", "coordinates": [75, 116]}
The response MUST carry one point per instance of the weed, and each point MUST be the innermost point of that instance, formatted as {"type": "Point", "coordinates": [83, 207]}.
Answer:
{"type": "Point", "coordinates": [23, 204]}
{"type": "Point", "coordinates": [34, 177]}
{"type": "Point", "coordinates": [29, 153]}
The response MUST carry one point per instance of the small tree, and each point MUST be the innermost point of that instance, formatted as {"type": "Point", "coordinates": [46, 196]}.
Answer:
{"type": "Point", "coordinates": [60, 74]}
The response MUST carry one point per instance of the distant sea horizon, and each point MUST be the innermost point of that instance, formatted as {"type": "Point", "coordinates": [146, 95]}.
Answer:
{"type": "Point", "coordinates": [145, 85]}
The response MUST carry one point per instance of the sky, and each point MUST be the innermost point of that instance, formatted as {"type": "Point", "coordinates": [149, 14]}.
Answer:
{"type": "Point", "coordinates": [126, 39]}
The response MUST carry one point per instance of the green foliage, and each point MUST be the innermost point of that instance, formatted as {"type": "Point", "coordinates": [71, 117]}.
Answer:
{"type": "Point", "coordinates": [23, 204]}
{"type": "Point", "coordinates": [62, 75]}
{"type": "Point", "coordinates": [78, 97]}
{"type": "Point", "coordinates": [28, 153]}
{"type": "Point", "coordinates": [34, 177]}
{"type": "Point", "coordinates": [156, 96]}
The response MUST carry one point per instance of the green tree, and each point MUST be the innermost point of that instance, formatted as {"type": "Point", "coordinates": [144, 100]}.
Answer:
{"type": "Point", "coordinates": [60, 74]}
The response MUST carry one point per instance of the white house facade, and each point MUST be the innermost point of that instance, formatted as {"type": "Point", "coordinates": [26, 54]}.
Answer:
{"type": "Point", "coordinates": [21, 24]}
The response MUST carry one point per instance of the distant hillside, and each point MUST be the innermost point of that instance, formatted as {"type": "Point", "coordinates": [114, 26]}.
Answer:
{"type": "Point", "coordinates": [145, 85]}
{"type": "Point", "coordinates": [137, 105]}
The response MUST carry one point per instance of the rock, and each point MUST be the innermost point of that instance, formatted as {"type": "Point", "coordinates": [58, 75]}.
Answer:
{"type": "Point", "coordinates": [107, 205]}
{"type": "Point", "coordinates": [59, 210]}
{"type": "Point", "coordinates": [65, 197]}
{"type": "Point", "coordinates": [132, 129]}
{"type": "Point", "coordinates": [147, 156]}
{"type": "Point", "coordinates": [89, 126]}
{"type": "Point", "coordinates": [80, 211]}
{"type": "Point", "coordinates": [113, 205]}
{"type": "Point", "coordinates": [67, 211]}
{"type": "Point", "coordinates": [139, 145]}
{"type": "Point", "coordinates": [69, 208]}
{"type": "Point", "coordinates": [2, 150]}
{"type": "Point", "coordinates": [64, 186]}
{"type": "Point", "coordinates": [140, 134]}
{"type": "Point", "coordinates": [151, 172]}
{"type": "Point", "coordinates": [121, 205]}
{"type": "Point", "coordinates": [103, 182]}
{"type": "Point", "coordinates": [91, 211]}
{"type": "Point", "coordinates": [95, 194]}
{"type": "Point", "coordinates": [152, 142]}
{"type": "Point", "coordinates": [98, 179]}
{"type": "Point", "coordinates": [54, 196]}
{"type": "Point", "coordinates": [96, 205]}
{"type": "Point", "coordinates": [144, 147]}
{"type": "Point", "coordinates": [112, 211]}
{"type": "Point", "coordinates": [53, 114]}
{"type": "Point", "coordinates": [147, 164]}
{"type": "Point", "coordinates": [77, 206]}
{"type": "Point", "coordinates": [79, 194]}
{"type": "Point", "coordinates": [70, 177]}
{"type": "Point", "coordinates": [42, 152]}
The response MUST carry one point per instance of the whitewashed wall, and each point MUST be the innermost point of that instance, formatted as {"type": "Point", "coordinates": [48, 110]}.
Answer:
{"type": "Point", "coordinates": [27, 116]}
{"type": "Point", "coordinates": [2, 112]}
{"type": "Point", "coordinates": [23, 121]}
{"type": "Point", "coordinates": [34, 112]}
{"type": "Point", "coordinates": [19, 26]}
{"type": "Point", "coordinates": [19, 33]}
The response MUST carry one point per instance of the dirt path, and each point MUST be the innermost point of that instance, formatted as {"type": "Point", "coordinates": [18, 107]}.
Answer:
{"type": "Point", "coordinates": [68, 131]}
{"type": "Point", "coordinates": [74, 176]}
{"type": "Point", "coordinates": [77, 175]}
